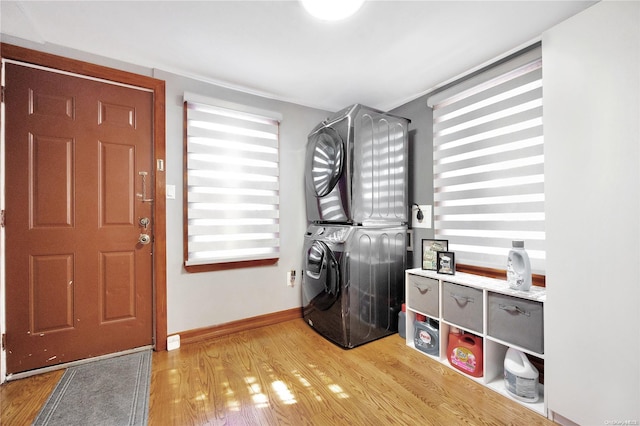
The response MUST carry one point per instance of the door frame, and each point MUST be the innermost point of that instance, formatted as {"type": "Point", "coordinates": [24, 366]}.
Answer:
{"type": "Point", "coordinates": [159, 278]}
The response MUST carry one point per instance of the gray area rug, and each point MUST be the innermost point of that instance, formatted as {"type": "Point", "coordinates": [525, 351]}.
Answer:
{"type": "Point", "coordinates": [108, 392]}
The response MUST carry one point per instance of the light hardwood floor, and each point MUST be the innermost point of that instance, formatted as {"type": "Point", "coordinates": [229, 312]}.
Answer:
{"type": "Point", "coordinates": [286, 374]}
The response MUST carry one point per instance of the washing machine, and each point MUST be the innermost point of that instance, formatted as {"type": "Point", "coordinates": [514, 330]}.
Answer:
{"type": "Point", "coordinates": [353, 281]}
{"type": "Point", "coordinates": [356, 168]}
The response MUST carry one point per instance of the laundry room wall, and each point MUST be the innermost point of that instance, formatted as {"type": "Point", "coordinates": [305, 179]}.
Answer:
{"type": "Point", "coordinates": [420, 166]}
{"type": "Point", "coordinates": [205, 299]}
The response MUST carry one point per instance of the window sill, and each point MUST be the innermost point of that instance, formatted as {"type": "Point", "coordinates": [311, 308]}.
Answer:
{"type": "Point", "coordinates": [537, 280]}
{"type": "Point", "coordinates": [230, 265]}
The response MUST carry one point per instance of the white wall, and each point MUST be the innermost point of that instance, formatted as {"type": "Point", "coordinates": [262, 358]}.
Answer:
{"type": "Point", "coordinates": [420, 186]}
{"type": "Point", "coordinates": [592, 181]}
{"type": "Point", "coordinates": [197, 300]}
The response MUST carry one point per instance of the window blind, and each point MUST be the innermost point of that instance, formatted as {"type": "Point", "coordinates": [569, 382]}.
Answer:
{"type": "Point", "coordinates": [231, 186]}
{"type": "Point", "coordinates": [489, 166]}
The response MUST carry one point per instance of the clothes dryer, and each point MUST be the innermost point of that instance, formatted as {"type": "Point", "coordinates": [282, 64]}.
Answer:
{"type": "Point", "coordinates": [353, 281]}
{"type": "Point", "coordinates": [356, 168]}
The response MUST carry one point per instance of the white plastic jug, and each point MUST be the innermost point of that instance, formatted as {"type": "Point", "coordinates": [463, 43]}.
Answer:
{"type": "Point", "coordinates": [518, 267]}
{"type": "Point", "coordinates": [520, 376]}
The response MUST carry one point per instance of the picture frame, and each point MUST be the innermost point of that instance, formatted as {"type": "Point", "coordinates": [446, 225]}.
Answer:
{"type": "Point", "coordinates": [446, 262]}
{"type": "Point", "coordinates": [430, 248]}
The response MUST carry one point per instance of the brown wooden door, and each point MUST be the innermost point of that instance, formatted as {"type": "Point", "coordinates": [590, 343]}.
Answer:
{"type": "Point", "coordinates": [78, 282]}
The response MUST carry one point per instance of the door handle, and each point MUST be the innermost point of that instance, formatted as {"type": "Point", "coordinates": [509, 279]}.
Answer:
{"type": "Point", "coordinates": [143, 195]}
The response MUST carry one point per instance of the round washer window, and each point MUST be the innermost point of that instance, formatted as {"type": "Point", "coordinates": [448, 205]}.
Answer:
{"type": "Point", "coordinates": [327, 161]}
{"type": "Point", "coordinates": [324, 276]}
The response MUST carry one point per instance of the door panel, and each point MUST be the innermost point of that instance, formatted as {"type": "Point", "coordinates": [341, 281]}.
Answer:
{"type": "Point", "coordinates": [117, 174]}
{"type": "Point", "coordinates": [51, 175]}
{"type": "Point", "coordinates": [117, 286]}
{"type": "Point", "coordinates": [51, 301]}
{"type": "Point", "coordinates": [78, 282]}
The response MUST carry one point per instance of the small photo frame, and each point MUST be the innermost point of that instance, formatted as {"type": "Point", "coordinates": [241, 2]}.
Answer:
{"type": "Point", "coordinates": [446, 262]}
{"type": "Point", "coordinates": [430, 248]}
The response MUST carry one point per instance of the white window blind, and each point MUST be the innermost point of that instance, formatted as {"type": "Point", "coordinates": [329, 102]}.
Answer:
{"type": "Point", "coordinates": [231, 185]}
{"type": "Point", "coordinates": [489, 166]}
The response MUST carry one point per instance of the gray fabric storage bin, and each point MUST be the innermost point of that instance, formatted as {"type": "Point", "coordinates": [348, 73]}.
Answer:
{"type": "Point", "coordinates": [424, 295]}
{"type": "Point", "coordinates": [516, 321]}
{"type": "Point", "coordinates": [462, 306]}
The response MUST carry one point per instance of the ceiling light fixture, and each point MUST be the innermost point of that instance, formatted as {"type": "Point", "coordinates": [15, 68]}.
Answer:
{"type": "Point", "coordinates": [332, 10]}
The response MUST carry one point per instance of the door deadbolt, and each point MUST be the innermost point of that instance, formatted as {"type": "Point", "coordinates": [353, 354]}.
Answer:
{"type": "Point", "coordinates": [144, 239]}
{"type": "Point", "coordinates": [144, 222]}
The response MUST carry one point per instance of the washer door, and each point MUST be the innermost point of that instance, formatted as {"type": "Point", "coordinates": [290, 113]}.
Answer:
{"type": "Point", "coordinates": [325, 157]}
{"type": "Point", "coordinates": [322, 278]}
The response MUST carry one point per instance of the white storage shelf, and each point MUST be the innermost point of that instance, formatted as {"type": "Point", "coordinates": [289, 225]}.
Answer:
{"type": "Point", "coordinates": [423, 286]}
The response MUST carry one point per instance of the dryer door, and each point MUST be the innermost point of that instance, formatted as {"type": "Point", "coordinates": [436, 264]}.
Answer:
{"type": "Point", "coordinates": [325, 159]}
{"type": "Point", "coordinates": [322, 277]}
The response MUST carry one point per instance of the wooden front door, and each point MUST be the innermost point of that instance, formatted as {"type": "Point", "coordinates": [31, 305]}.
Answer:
{"type": "Point", "coordinates": [78, 281]}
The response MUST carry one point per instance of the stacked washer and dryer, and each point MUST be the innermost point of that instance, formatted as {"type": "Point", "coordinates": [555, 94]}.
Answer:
{"type": "Point", "coordinates": [355, 246]}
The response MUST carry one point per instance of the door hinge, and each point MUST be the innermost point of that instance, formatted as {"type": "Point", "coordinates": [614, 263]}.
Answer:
{"type": "Point", "coordinates": [4, 341]}
{"type": "Point", "coordinates": [2, 96]}
{"type": "Point", "coordinates": [1, 218]}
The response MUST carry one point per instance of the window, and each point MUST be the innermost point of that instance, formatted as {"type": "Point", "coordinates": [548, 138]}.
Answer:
{"type": "Point", "coordinates": [489, 164]}
{"type": "Point", "coordinates": [231, 186]}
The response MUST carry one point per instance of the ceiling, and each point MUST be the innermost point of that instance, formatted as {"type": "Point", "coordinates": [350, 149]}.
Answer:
{"type": "Point", "coordinates": [389, 53]}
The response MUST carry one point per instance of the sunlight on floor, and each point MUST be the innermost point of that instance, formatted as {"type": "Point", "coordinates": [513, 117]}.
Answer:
{"type": "Point", "coordinates": [260, 400]}
{"type": "Point", "coordinates": [232, 403]}
{"type": "Point", "coordinates": [338, 391]}
{"type": "Point", "coordinates": [306, 384]}
{"type": "Point", "coordinates": [260, 395]}
{"type": "Point", "coordinates": [283, 392]}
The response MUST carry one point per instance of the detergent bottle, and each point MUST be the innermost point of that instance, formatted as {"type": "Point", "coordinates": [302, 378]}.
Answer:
{"type": "Point", "coordinates": [464, 352]}
{"type": "Point", "coordinates": [426, 336]}
{"type": "Point", "coordinates": [520, 376]}
{"type": "Point", "coordinates": [402, 322]}
{"type": "Point", "coordinates": [518, 267]}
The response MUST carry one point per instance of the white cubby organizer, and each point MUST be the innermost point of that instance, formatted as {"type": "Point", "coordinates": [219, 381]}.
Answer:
{"type": "Point", "coordinates": [426, 293]}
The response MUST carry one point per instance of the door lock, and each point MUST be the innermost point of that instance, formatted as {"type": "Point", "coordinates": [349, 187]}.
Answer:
{"type": "Point", "coordinates": [144, 222]}
{"type": "Point", "coordinates": [144, 239]}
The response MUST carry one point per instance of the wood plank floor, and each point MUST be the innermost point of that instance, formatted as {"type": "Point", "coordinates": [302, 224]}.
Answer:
{"type": "Point", "coordinates": [286, 374]}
